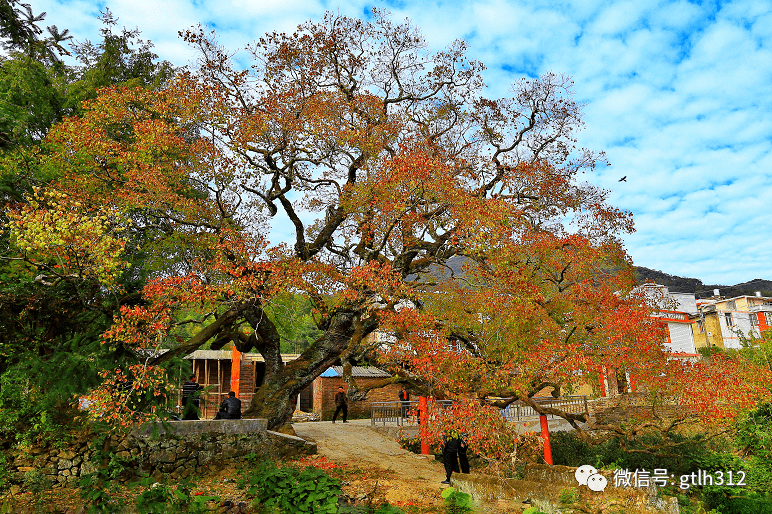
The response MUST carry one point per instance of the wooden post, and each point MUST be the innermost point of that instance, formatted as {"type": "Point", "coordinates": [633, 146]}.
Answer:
{"type": "Point", "coordinates": [205, 410]}
{"type": "Point", "coordinates": [235, 370]}
{"type": "Point", "coordinates": [219, 383]}
{"type": "Point", "coordinates": [603, 382]}
{"type": "Point", "coordinates": [423, 419]}
{"type": "Point", "coordinates": [545, 434]}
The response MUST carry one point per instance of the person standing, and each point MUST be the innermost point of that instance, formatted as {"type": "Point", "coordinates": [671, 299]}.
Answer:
{"type": "Point", "coordinates": [341, 405]}
{"type": "Point", "coordinates": [230, 408]}
{"type": "Point", "coordinates": [404, 398]}
{"type": "Point", "coordinates": [190, 399]}
{"type": "Point", "coordinates": [463, 445]}
{"type": "Point", "coordinates": [450, 456]}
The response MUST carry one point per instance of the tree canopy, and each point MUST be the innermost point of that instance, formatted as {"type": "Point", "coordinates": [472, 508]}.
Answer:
{"type": "Point", "coordinates": [388, 165]}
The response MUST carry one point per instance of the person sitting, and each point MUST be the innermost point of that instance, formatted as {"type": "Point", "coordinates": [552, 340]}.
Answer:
{"type": "Point", "coordinates": [230, 408]}
{"type": "Point", "coordinates": [190, 398]}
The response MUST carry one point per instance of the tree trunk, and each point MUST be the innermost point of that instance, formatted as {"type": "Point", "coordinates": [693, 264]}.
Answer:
{"type": "Point", "coordinates": [273, 400]}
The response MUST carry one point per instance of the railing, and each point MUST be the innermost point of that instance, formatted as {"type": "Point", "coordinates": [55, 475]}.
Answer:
{"type": "Point", "coordinates": [519, 411]}
{"type": "Point", "coordinates": [399, 413]}
{"type": "Point", "coordinates": [406, 413]}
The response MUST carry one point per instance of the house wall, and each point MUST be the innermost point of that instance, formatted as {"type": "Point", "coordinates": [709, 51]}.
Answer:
{"type": "Point", "coordinates": [324, 389]}
{"type": "Point", "coordinates": [713, 327]}
{"type": "Point", "coordinates": [681, 339]}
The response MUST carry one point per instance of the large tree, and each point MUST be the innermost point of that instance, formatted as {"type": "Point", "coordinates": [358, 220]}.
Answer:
{"type": "Point", "coordinates": [385, 163]}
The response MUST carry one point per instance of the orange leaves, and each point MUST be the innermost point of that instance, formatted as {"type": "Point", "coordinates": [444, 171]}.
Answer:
{"type": "Point", "coordinates": [132, 149]}
{"type": "Point", "coordinates": [141, 328]}
{"type": "Point", "coordinates": [722, 387]}
{"type": "Point", "coordinates": [487, 433]}
{"type": "Point", "coordinates": [119, 399]}
{"type": "Point", "coordinates": [374, 282]}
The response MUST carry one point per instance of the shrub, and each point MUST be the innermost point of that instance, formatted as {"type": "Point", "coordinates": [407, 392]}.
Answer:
{"type": "Point", "coordinates": [456, 502]}
{"type": "Point", "coordinates": [678, 454]}
{"type": "Point", "coordinates": [291, 490]}
{"type": "Point", "coordinates": [35, 481]}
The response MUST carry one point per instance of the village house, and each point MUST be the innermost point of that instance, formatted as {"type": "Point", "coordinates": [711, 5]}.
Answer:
{"type": "Point", "coordinates": [725, 322]}
{"type": "Point", "coordinates": [214, 370]}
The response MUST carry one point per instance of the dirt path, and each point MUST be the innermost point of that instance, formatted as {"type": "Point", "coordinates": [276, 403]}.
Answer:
{"type": "Point", "coordinates": [355, 444]}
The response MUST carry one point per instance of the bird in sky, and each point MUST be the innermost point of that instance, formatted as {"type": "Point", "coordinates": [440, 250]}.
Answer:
{"type": "Point", "coordinates": [623, 179]}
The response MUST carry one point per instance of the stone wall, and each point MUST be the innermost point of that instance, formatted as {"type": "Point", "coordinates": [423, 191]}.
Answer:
{"type": "Point", "coordinates": [188, 448]}
{"type": "Point", "coordinates": [544, 485]}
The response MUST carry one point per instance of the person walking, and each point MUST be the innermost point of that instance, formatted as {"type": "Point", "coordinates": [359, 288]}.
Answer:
{"type": "Point", "coordinates": [341, 405]}
{"type": "Point", "coordinates": [450, 456]}
{"type": "Point", "coordinates": [190, 399]}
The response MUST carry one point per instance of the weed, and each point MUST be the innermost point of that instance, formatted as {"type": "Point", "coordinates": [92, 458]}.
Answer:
{"type": "Point", "coordinates": [569, 496]}
{"type": "Point", "coordinates": [456, 502]}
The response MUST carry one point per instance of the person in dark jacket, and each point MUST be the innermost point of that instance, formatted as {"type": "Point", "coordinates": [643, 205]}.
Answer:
{"type": "Point", "coordinates": [450, 457]}
{"type": "Point", "coordinates": [190, 399]}
{"type": "Point", "coordinates": [341, 405]}
{"type": "Point", "coordinates": [463, 445]}
{"type": "Point", "coordinates": [230, 408]}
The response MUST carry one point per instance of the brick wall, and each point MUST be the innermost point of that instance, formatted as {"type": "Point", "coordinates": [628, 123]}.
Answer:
{"type": "Point", "coordinates": [246, 383]}
{"type": "Point", "coordinates": [326, 387]}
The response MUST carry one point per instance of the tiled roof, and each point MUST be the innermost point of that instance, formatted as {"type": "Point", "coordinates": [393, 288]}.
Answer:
{"type": "Point", "coordinates": [357, 372]}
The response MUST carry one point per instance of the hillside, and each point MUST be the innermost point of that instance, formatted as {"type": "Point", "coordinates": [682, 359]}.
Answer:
{"type": "Point", "coordinates": [695, 285]}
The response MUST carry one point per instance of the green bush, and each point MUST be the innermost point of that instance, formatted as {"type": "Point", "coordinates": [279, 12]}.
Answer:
{"type": "Point", "coordinates": [159, 498]}
{"type": "Point", "coordinates": [754, 439]}
{"type": "Point", "coordinates": [682, 455]}
{"type": "Point", "coordinates": [95, 486]}
{"type": "Point", "coordinates": [456, 502]}
{"type": "Point", "coordinates": [293, 491]}
{"type": "Point", "coordinates": [5, 473]}
{"type": "Point", "coordinates": [679, 455]}
{"type": "Point", "coordinates": [728, 500]}
{"type": "Point", "coordinates": [35, 481]}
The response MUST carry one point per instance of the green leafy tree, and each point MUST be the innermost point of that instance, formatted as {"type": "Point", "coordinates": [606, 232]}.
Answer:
{"type": "Point", "coordinates": [51, 314]}
{"type": "Point", "coordinates": [291, 314]}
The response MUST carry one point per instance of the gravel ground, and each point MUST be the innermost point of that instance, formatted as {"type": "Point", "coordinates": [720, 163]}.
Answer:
{"type": "Point", "coordinates": [412, 478]}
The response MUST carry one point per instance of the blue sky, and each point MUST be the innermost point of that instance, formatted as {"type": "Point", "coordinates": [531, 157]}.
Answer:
{"type": "Point", "coordinates": [678, 94]}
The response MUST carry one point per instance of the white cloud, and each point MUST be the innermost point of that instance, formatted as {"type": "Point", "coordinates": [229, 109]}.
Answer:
{"type": "Point", "coordinates": [678, 93]}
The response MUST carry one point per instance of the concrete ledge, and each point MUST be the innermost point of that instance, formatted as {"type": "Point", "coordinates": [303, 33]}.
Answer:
{"type": "Point", "coordinates": [203, 426]}
{"type": "Point", "coordinates": [393, 431]}
{"type": "Point", "coordinates": [302, 446]}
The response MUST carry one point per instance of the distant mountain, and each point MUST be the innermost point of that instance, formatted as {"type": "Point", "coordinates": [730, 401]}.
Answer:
{"type": "Point", "coordinates": [694, 285]}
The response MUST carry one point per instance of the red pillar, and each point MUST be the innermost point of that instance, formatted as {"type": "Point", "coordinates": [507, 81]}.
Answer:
{"type": "Point", "coordinates": [235, 370]}
{"type": "Point", "coordinates": [545, 434]}
{"type": "Point", "coordinates": [423, 419]}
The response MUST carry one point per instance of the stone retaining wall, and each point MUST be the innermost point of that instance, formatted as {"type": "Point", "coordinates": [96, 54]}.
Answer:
{"type": "Point", "coordinates": [543, 487]}
{"type": "Point", "coordinates": [186, 448]}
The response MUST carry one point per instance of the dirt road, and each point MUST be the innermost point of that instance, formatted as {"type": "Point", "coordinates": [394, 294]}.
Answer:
{"type": "Point", "coordinates": [355, 444]}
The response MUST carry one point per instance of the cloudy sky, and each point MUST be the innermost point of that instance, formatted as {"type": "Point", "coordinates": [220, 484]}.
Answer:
{"type": "Point", "coordinates": [679, 95]}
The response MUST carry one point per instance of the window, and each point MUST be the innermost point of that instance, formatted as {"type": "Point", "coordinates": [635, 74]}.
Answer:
{"type": "Point", "coordinates": [731, 306]}
{"type": "Point", "coordinates": [754, 319]}
{"type": "Point", "coordinates": [728, 319]}
{"type": "Point", "coordinates": [768, 318]}
{"type": "Point", "coordinates": [700, 326]}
